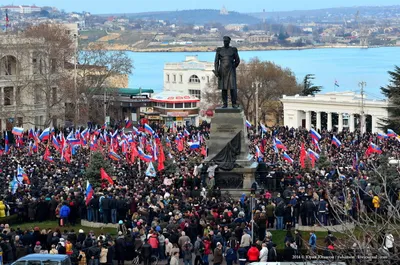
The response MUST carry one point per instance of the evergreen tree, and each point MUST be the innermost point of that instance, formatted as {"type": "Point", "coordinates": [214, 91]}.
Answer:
{"type": "Point", "coordinates": [97, 161]}
{"type": "Point", "coordinates": [392, 93]}
{"type": "Point", "coordinates": [323, 161]}
{"type": "Point", "coordinates": [308, 86]}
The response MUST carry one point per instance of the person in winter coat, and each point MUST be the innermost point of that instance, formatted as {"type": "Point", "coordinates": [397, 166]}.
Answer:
{"type": "Point", "coordinates": [81, 237]}
{"type": "Point", "coordinates": [312, 242]}
{"type": "Point", "coordinates": [242, 253]}
{"type": "Point", "coordinates": [298, 239]}
{"type": "Point", "coordinates": [175, 259]}
{"type": "Point", "coordinates": [218, 257]}
{"type": "Point", "coordinates": [110, 253]}
{"type": "Point", "coordinates": [199, 249]}
{"type": "Point", "coordinates": [230, 256]}
{"type": "Point", "coordinates": [207, 250]}
{"type": "Point", "coordinates": [53, 250]}
{"type": "Point", "coordinates": [64, 214]}
{"type": "Point", "coordinates": [263, 253]}
{"type": "Point", "coordinates": [253, 253]}
{"type": "Point", "coordinates": [146, 253]}
{"type": "Point", "coordinates": [153, 241]}
{"type": "Point", "coordinates": [187, 253]}
{"type": "Point", "coordinates": [103, 255]}
{"type": "Point", "coordinates": [272, 255]}
{"type": "Point", "coordinates": [161, 246]}
{"type": "Point", "coordinates": [37, 247]}
{"type": "Point", "coordinates": [120, 248]}
{"type": "Point", "coordinates": [93, 255]}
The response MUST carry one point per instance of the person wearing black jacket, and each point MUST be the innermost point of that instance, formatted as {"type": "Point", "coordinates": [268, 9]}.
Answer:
{"type": "Point", "coordinates": [299, 240]}
{"type": "Point", "coordinates": [94, 204]}
{"type": "Point", "coordinates": [110, 253]}
{"type": "Point", "coordinates": [105, 206]}
{"type": "Point", "coordinates": [309, 207]}
{"type": "Point", "coordinates": [93, 255]}
{"type": "Point", "coordinates": [120, 248]}
{"type": "Point", "coordinates": [113, 207]}
{"type": "Point", "coordinates": [146, 253]}
{"type": "Point", "coordinates": [272, 255]}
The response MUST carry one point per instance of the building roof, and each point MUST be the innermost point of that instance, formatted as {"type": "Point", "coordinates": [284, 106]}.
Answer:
{"type": "Point", "coordinates": [134, 91]}
{"type": "Point", "coordinates": [173, 97]}
{"type": "Point", "coordinates": [345, 97]}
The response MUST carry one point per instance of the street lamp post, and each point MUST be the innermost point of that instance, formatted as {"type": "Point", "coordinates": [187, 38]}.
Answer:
{"type": "Point", "coordinates": [362, 85]}
{"type": "Point", "coordinates": [75, 81]}
{"type": "Point", "coordinates": [257, 84]}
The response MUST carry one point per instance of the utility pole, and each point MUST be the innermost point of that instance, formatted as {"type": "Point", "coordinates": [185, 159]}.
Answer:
{"type": "Point", "coordinates": [362, 84]}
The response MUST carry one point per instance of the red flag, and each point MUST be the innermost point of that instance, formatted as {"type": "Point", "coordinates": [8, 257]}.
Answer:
{"type": "Point", "coordinates": [47, 155]}
{"type": "Point", "coordinates": [67, 154]}
{"type": "Point", "coordinates": [105, 176]}
{"type": "Point", "coordinates": [303, 155]}
{"type": "Point", "coordinates": [134, 152]}
{"type": "Point", "coordinates": [161, 157]}
{"type": "Point", "coordinates": [180, 145]}
{"type": "Point", "coordinates": [203, 151]}
{"type": "Point", "coordinates": [160, 165]}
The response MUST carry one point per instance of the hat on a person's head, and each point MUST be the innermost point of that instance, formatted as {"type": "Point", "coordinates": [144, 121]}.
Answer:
{"type": "Point", "coordinates": [120, 233]}
{"type": "Point", "coordinates": [80, 231]}
{"type": "Point", "coordinates": [120, 222]}
{"type": "Point", "coordinates": [37, 243]}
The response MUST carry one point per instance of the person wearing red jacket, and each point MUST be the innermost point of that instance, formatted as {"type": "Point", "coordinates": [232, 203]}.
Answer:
{"type": "Point", "coordinates": [253, 253]}
{"type": "Point", "coordinates": [153, 242]}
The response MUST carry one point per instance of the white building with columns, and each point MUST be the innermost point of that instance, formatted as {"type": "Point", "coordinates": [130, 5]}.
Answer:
{"type": "Point", "coordinates": [347, 106]}
{"type": "Point", "coordinates": [190, 77]}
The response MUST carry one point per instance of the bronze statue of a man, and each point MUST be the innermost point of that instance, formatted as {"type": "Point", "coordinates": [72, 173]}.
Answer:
{"type": "Point", "coordinates": [226, 61]}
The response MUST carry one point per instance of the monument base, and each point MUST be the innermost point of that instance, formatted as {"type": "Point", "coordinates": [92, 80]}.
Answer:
{"type": "Point", "coordinates": [227, 124]}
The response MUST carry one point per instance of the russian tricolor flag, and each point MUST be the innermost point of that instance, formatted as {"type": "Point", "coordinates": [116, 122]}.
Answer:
{"type": "Point", "coordinates": [185, 132]}
{"type": "Point", "coordinates": [143, 156]}
{"type": "Point", "coordinates": [382, 136]}
{"type": "Point", "coordinates": [194, 145]}
{"type": "Point", "coordinates": [17, 131]}
{"type": "Point", "coordinates": [374, 148]}
{"type": "Point", "coordinates": [315, 135]}
{"type": "Point", "coordinates": [114, 156]}
{"type": "Point", "coordinates": [286, 157]}
{"type": "Point", "coordinates": [89, 192]}
{"type": "Point", "coordinates": [335, 141]}
{"type": "Point", "coordinates": [263, 128]}
{"type": "Point", "coordinates": [148, 129]}
{"type": "Point", "coordinates": [45, 135]}
{"type": "Point", "coordinates": [85, 133]}
{"type": "Point", "coordinates": [56, 144]}
{"type": "Point", "coordinates": [391, 133]}
{"type": "Point", "coordinates": [279, 144]}
{"type": "Point", "coordinates": [259, 155]}
{"type": "Point", "coordinates": [313, 155]}
{"type": "Point", "coordinates": [128, 123]}
{"type": "Point", "coordinates": [6, 144]}
{"type": "Point", "coordinates": [248, 124]}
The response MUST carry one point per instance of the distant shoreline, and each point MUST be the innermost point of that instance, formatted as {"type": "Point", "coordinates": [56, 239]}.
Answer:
{"type": "Point", "coordinates": [244, 48]}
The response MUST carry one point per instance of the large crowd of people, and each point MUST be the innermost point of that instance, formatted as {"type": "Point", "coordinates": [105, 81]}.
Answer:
{"type": "Point", "coordinates": [181, 213]}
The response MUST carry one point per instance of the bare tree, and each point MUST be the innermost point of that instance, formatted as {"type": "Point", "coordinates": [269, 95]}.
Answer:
{"type": "Point", "coordinates": [273, 81]}
{"type": "Point", "coordinates": [98, 74]}
{"type": "Point", "coordinates": [370, 226]}
{"type": "Point", "coordinates": [52, 85]}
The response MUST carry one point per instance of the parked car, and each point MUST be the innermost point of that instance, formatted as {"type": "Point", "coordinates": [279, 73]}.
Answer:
{"type": "Point", "coordinates": [43, 259]}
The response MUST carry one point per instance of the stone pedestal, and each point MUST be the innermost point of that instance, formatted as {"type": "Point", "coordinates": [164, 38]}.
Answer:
{"type": "Point", "coordinates": [225, 125]}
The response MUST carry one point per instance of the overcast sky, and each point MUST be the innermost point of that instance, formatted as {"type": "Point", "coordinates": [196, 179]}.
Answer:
{"type": "Point", "coordinates": [133, 6]}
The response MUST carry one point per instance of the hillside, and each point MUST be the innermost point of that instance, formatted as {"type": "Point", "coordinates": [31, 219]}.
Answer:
{"type": "Point", "coordinates": [342, 12]}
{"type": "Point", "coordinates": [197, 16]}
